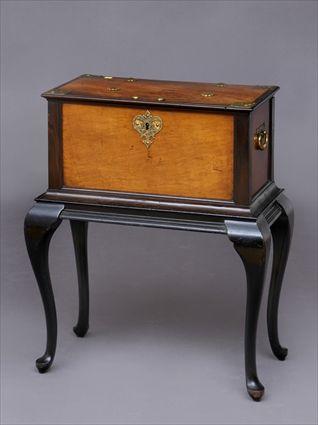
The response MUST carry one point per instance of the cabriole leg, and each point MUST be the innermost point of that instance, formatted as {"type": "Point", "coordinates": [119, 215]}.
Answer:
{"type": "Point", "coordinates": [282, 230]}
{"type": "Point", "coordinates": [40, 224]}
{"type": "Point", "coordinates": [79, 232]}
{"type": "Point", "coordinates": [252, 242]}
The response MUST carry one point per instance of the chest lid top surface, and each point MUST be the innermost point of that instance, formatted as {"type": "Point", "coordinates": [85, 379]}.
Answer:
{"type": "Point", "coordinates": [137, 91]}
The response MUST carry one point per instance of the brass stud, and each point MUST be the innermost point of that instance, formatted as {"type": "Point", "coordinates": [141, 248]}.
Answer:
{"type": "Point", "coordinates": [207, 94]}
{"type": "Point", "coordinates": [113, 89]}
{"type": "Point", "coordinates": [108, 77]}
{"type": "Point", "coordinates": [242, 104]}
{"type": "Point", "coordinates": [161, 99]}
{"type": "Point", "coordinates": [58, 91]}
{"type": "Point", "coordinates": [135, 97]}
{"type": "Point", "coordinates": [131, 80]}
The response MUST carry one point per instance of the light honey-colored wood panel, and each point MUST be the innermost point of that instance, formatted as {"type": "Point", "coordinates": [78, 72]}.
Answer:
{"type": "Point", "coordinates": [191, 156]}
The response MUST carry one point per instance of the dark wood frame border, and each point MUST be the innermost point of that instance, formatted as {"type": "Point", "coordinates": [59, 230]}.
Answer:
{"type": "Point", "coordinates": [55, 145]}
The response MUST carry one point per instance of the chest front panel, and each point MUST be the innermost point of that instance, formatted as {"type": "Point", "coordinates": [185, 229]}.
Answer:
{"type": "Point", "coordinates": [191, 154]}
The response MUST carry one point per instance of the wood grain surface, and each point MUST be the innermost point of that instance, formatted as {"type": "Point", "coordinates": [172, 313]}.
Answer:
{"type": "Point", "coordinates": [191, 156]}
{"type": "Point", "coordinates": [92, 87]}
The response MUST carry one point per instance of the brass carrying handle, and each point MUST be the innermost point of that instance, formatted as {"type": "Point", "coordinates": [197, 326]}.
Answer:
{"type": "Point", "coordinates": [261, 140]}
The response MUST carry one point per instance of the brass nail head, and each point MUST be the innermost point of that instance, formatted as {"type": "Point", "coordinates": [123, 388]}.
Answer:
{"type": "Point", "coordinates": [108, 77]}
{"type": "Point", "coordinates": [135, 97]}
{"type": "Point", "coordinates": [161, 99]}
{"type": "Point", "coordinates": [242, 104]}
{"type": "Point", "coordinates": [207, 94]}
{"type": "Point", "coordinates": [131, 80]}
{"type": "Point", "coordinates": [113, 89]}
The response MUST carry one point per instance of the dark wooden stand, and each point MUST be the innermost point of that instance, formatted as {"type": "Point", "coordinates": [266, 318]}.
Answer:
{"type": "Point", "coordinates": [251, 238]}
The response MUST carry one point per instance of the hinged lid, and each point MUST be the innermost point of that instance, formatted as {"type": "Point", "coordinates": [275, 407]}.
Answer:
{"type": "Point", "coordinates": [109, 89]}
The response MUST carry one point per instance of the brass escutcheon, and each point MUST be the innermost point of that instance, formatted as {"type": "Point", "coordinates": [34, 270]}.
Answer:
{"type": "Point", "coordinates": [261, 139]}
{"type": "Point", "coordinates": [147, 125]}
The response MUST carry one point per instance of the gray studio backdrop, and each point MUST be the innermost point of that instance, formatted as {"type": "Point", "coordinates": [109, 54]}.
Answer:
{"type": "Point", "coordinates": [167, 308]}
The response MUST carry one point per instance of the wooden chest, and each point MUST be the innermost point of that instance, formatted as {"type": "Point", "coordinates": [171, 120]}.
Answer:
{"type": "Point", "coordinates": [161, 144]}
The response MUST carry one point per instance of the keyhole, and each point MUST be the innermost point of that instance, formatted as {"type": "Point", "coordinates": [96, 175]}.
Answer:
{"type": "Point", "coordinates": [147, 125]}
